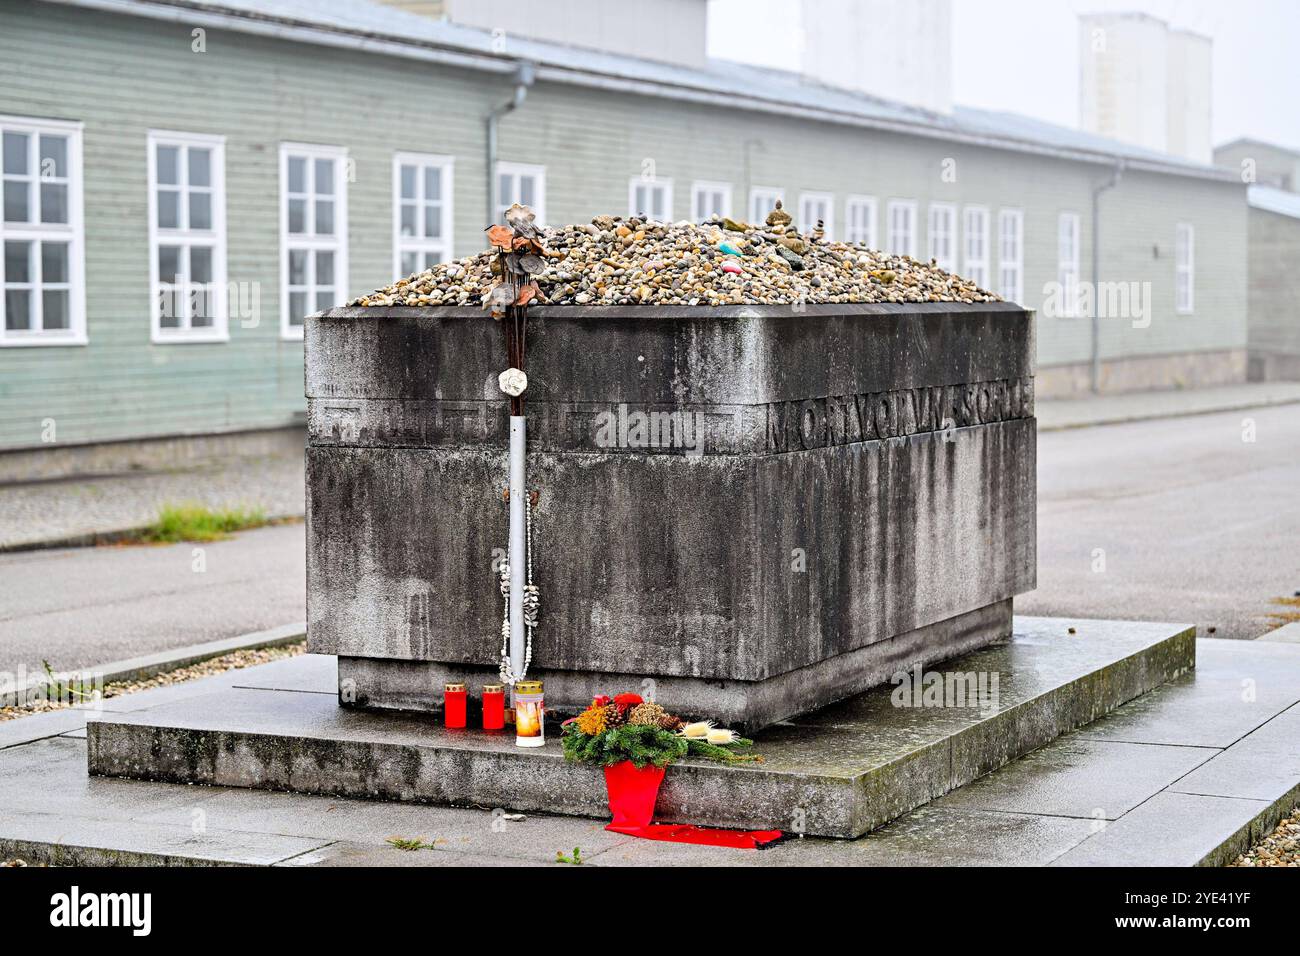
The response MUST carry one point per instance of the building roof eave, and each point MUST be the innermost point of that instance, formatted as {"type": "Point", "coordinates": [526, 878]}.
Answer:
{"type": "Point", "coordinates": [212, 15]}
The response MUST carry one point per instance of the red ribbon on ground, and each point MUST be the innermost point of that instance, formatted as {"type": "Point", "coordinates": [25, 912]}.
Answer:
{"type": "Point", "coordinates": [632, 794]}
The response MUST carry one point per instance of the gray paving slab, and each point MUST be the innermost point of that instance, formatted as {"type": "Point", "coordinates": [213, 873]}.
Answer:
{"type": "Point", "coordinates": [365, 854]}
{"type": "Point", "coordinates": [310, 673]}
{"type": "Point", "coordinates": [80, 841]}
{"type": "Point", "coordinates": [1237, 686]}
{"type": "Point", "coordinates": [1172, 829]}
{"type": "Point", "coordinates": [1095, 779]}
{"type": "Point", "coordinates": [474, 831]}
{"type": "Point", "coordinates": [49, 776]}
{"type": "Point", "coordinates": [1264, 765]}
{"type": "Point", "coordinates": [1286, 634]}
{"type": "Point", "coordinates": [931, 836]}
{"type": "Point", "coordinates": [22, 730]}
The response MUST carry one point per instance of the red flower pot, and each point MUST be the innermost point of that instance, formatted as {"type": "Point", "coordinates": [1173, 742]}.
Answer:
{"type": "Point", "coordinates": [632, 793]}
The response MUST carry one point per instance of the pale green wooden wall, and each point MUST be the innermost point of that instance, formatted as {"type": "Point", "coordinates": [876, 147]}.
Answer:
{"type": "Point", "coordinates": [122, 76]}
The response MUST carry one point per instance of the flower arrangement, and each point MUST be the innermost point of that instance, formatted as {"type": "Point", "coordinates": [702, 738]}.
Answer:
{"type": "Point", "coordinates": [626, 727]}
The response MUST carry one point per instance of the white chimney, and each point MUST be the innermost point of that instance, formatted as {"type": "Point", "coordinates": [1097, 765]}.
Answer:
{"type": "Point", "coordinates": [1190, 96]}
{"type": "Point", "coordinates": [894, 49]}
{"type": "Point", "coordinates": [1142, 83]}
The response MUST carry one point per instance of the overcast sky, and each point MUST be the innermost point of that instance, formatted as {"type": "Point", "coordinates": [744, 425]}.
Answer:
{"type": "Point", "coordinates": [1022, 55]}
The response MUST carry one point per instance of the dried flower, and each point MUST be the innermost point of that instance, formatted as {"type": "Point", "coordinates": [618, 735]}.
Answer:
{"type": "Point", "coordinates": [648, 714]}
{"type": "Point", "coordinates": [698, 730]}
{"type": "Point", "coordinates": [592, 721]}
{"type": "Point", "coordinates": [720, 737]}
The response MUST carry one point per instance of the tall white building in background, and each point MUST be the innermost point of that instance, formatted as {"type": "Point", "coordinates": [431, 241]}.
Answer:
{"type": "Point", "coordinates": [898, 50]}
{"type": "Point", "coordinates": [1145, 84]}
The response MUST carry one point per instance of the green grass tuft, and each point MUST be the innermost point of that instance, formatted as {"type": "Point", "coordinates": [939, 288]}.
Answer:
{"type": "Point", "coordinates": [192, 522]}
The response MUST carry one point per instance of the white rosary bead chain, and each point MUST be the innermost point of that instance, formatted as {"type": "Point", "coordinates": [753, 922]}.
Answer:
{"type": "Point", "coordinates": [532, 605]}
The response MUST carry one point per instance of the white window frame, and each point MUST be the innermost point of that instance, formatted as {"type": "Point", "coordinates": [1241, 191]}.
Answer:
{"type": "Point", "coordinates": [185, 237]}
{"type": "Point", "coordinates": [901, 205]}
{"type": "Point", "coordinates": [975, 245]}
{"type": "Point", "coordinates": [851, 230]}
{"type": "Point", "coordinates": [650, 182]}
{"type": "Point", "coordinates": [422, 245]}
{"type": "Point", "coordinates": [767, 195]}
{"type": "Point", "coordinates": [336, 243]}
{"type": "Point", "coordinates": [1068, 258]}
{"type": "Point", "coordinates": [516, 170]}
{"type": "Point", "coordinates": [945, 255]}
{"type": "Point", "coordinates": [808, 224]}
{"type": "Point", "coordinates": [699, 188]}
{"type": "Point", "coordinates": [1184, 268]}
{"type": "Point", "coordinates": [1011, 254]}
{"type": "Point", "coordinates": [72, 232]}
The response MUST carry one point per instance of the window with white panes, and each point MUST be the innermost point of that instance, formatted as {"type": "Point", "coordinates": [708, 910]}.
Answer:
{"type": "Point", "coordinates": [762, 200]}
{"type": "Point", "coordinates": [709, 200]}
{"type": "Point", "coordinates": [902, 227]}
{"type": "Point", "coordinates": [814, 208]}
{"type": "Point", "coordinates": [42, 264]}
{"type": "Point", "coordinates": [650, 197]}
{"type": "Point", "coordinates": [1011, 254]}
{"type": "Point", "coordinates": [313, 232]}
{"type": "Point", "coordinates": [187, 237]}
{"type": "Point", "coordinates": [422, 212]}
{"type": "Point", "coordinates": [523, 184]}
{"type": "Point", "coordinates": [942, 235]}
{"type": "Point", "coordinates": [975, 261]}
{"type": "Point", "coordinates": [1185, 269]}
{"type": "Point", "coordinates": [860, 220]}
{"type": "Point", "coordinates": [1067, 261]}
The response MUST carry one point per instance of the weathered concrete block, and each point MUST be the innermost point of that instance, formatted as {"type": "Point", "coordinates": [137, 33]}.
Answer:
{"type": "Point", "coordinates": [746, 499]}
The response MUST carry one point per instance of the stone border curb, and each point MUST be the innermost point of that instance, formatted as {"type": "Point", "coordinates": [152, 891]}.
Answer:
{"type": "Point", "coordinates": [150, 665]}
{"type": "Point", "coordinates": [1253, 830]}
{"type": "Point", "coordinates": [1126, 419]}
{"type": "Point", "coordinates": [91, 539]}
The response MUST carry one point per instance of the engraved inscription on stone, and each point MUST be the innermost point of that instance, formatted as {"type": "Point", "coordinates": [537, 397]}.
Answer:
{"type": "Point", "coordinates": [674, 429]}
{"type": "Point", "coordinates": [842, 419]}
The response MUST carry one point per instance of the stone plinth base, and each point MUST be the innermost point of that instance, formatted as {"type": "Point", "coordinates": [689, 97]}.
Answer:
{"type": "Point", "coordinates": [744, 705]}
{"type": "Point", "coordinates": [839, 771]}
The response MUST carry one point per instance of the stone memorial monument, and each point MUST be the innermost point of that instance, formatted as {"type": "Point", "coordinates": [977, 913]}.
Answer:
{"type": "Point", "coordinates": [760, 509]}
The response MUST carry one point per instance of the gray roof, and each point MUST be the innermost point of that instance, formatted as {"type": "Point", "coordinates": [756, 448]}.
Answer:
{"type": "Point", "coordinates": [1278, 201]}
{"type": "Point", "coordinates": [360, 24]}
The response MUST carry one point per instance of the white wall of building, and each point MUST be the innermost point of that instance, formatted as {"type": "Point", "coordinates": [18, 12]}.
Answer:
{"type": "Point", "coordinates": [1190, 95]}
{"type": "Point", "coordinates": [672, 31]}
{"type": "Point", "coordinates": [895, 49]}
{"type": "Point", "coordinates": [1143, 83]}
{"type": "Point", "coordinates": [1124, 77]}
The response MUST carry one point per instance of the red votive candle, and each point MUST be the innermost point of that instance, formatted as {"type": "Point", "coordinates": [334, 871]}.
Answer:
{"type": "Point", "coordinates": [453, 705]}
{"type": "Point", "coordinates": [494, 707]}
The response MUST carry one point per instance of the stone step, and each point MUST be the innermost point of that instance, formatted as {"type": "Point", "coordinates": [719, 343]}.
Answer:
{"type": "Point", "coordinates": [840, 771]}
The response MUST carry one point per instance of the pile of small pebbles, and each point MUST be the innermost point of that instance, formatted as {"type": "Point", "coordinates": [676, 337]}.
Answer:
{"type": "Point", "coordinates": [1279, 848]}
{"type": "Point", "coordinates": [633, 261]}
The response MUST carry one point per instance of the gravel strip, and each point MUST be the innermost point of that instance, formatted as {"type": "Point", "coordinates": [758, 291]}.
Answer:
{"type": "Point", "coordinates": [217, 665]}
{"type": "Point", "coordinates": [616, 261]}
{"type": "Point", "coordinates": [1279, 848]}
